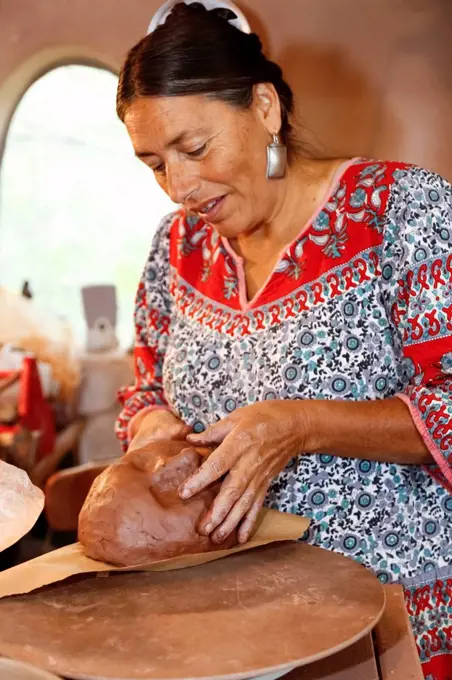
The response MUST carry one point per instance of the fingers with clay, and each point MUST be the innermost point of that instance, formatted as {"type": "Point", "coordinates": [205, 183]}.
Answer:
{"type": "Point", "coordinates": [218, 462]}
{"type": "Point", "coordinates": [157, 425]}
{"type": "Point", "coordinates": [254, 444]}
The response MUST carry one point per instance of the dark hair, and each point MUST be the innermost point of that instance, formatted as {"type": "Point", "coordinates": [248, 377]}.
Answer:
{"type": "Point", "coordinates": [197, 51]}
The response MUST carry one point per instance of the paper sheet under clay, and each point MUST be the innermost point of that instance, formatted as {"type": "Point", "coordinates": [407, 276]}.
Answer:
{"type": "Point", "coordinates": [69, 561]}
{"type": "Point", "coordinates": [21, 503]}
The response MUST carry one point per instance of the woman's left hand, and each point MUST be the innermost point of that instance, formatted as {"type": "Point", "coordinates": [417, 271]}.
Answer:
{"type": "Point", "coordinates": [255, 443]}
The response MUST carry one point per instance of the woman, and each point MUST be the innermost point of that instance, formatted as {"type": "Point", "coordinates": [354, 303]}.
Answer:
{"type": "Point", "coordinates": [297, 313]}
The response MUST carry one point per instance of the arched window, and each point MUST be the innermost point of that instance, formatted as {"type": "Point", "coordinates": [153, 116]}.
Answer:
{"type": "Point", "coordinates": [76, 207]}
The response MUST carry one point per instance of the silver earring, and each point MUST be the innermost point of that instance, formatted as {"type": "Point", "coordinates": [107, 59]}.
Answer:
{"type": "Point", "coordinates": [276, 159]}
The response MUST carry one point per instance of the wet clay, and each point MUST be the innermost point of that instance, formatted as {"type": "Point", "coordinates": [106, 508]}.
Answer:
{"type": "Point", "coordinates": [133, 513]}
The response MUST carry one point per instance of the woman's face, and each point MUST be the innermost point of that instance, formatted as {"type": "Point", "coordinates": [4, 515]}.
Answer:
{"type": "Point", "coordinates": [210, 156]}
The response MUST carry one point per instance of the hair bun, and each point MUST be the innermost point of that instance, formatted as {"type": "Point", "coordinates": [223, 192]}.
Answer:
{"type": "Point", "coordinates": [256, 41]}
{"type": "Point", "coordinates": [183, 10]}
{"type": "Point", "coordinates": [195, 6]}
{"type": "Point", "coordinates": [223, 13]}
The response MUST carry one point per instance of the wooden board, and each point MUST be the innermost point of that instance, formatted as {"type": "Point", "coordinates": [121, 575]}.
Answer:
{"type": "Point", "coordinates": [396, 649]}
{"type": "Point", "coordinates": [16, 670]}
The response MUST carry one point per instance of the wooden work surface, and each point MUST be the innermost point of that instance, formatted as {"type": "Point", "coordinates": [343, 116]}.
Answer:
{"type": "Point", "coordinates": [266, 609]}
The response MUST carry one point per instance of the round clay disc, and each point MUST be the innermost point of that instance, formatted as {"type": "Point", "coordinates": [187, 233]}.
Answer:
{"type": "Point", "coordinates": [21, 503]}
{"type": "Point", "coordinates": [253, 613]}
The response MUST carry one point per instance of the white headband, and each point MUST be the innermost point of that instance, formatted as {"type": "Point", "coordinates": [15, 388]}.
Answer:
{"type": "Point", "coordinates": [161, 14]}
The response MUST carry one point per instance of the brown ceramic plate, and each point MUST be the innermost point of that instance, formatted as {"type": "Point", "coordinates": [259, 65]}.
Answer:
{"type": "Point", "coordinates": [254, 613]}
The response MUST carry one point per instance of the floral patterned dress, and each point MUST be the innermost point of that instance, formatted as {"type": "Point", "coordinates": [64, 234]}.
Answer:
{"type": "Point", "coordinates": [358, 307]}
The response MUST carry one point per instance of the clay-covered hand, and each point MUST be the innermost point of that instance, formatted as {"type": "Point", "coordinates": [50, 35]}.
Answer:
{"type": "Point", "coordinates": [133, 513]}
{"type": "Point", "coordinates": [156, 425]}
{"type": "Point", "coordinates": [255, 444]}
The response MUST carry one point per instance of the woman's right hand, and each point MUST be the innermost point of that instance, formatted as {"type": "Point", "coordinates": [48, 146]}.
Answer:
{"type": "Point", "coordinates": [155, 425]}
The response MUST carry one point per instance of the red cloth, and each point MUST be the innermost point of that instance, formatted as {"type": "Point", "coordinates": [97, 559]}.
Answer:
{"type": "Point", "coordinates": [34, 411]}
